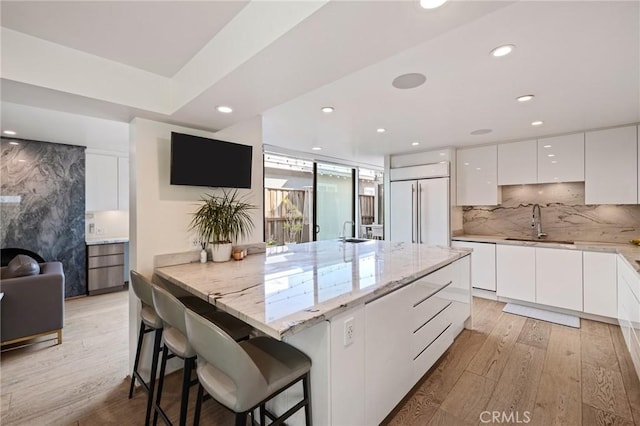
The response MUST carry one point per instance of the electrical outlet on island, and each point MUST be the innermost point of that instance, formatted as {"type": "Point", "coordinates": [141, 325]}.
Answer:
{"type": "Point", "coordinates": [349, 330]}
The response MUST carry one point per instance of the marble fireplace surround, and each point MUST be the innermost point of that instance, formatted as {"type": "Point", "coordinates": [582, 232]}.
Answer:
{"type": "Point", "coordinates": [564, 215]}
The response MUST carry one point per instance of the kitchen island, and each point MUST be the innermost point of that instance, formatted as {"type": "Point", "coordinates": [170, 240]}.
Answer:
{"type": "Point", "coordinates": [373, 316]}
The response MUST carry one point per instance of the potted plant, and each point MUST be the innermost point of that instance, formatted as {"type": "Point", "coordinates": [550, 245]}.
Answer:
{"type": "Point", "coordinates": [221, 220]}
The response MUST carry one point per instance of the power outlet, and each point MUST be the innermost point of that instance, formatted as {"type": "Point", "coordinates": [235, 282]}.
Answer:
{"type": "Point", "coordinates": [349, 330]}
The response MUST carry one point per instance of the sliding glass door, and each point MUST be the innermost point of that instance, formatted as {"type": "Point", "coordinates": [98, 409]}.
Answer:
{"type": "Point", "coordinates": [335, 201]}
{"type": "Point", "coordinates": [311, 201]}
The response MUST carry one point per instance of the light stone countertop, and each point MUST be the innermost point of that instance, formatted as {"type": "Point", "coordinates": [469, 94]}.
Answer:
{"type": "Point", "coordinates": [293, 287]}
{"type": "Point", "coordinates": [629, 252]}
{"type": "Point", "coordinates": [107, 240]}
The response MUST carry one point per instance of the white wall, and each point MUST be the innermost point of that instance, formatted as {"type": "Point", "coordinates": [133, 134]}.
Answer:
{"type": "Point", "coordinates": [160, 212]}
{"type": "Point", "coordinates": [108, 224]}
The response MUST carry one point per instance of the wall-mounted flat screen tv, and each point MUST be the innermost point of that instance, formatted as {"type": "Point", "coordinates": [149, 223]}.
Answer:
{"type": "Point", "coordinates": [200, 161]}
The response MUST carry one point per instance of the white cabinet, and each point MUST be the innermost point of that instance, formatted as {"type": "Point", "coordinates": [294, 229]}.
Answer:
{"type": "Point", "coordinates": [559, 278]}
{"type": "Point", "coordinates": [101, 189]}
{"type": "Point", "coordinates": [638, 135]}
{"type": "Point", "coordinates": [123, 183]}
{"type": "Point", "coordinates": [406, 331]}
{"type": "Point", "coordinates": [517, 163]}
{"type": "Point", "coordinates": [106, 182]}
{"type": "Point", "coordinates": [516, 272]}
{"type": "Point", "coordinates": [629, 309]}
{"type": "Point", "coordinates": [387, 364]}
{"type": "Point", "coordinates": [561, 159]}
{"type": "Point", "coordinates": [477, 176]}
{"type": "Point", "coordinates": [599, 284]}
{"type": "Point", "coordinates": [611, 166]}
{"type": "Point", "coordinates": [483, 264]}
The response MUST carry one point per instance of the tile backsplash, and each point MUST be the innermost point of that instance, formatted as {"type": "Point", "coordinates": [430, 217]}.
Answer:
{"type": "Point", "coordinates": [564, 215]}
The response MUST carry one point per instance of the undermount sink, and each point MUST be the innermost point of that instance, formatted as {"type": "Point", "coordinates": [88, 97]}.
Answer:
{"type": "Point", "coordinates": [355, 240]}
{"type": "Point", "coordinates": [532, 240]}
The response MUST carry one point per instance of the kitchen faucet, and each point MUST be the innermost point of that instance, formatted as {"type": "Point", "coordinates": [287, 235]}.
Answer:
{"type": "Point", "coordinates": [344, 233]}
{"type": "Point", "coordinates": [536, 222]}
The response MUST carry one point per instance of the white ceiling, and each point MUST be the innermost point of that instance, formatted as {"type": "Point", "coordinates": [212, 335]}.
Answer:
{"type": "Point", "coordinates": [176, 61]}
{"type": "Point", "coordinates": [159, 37]}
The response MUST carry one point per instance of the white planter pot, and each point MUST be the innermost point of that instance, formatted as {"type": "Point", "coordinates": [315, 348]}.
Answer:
{"type": "Point", "coordinates": [221, 252]}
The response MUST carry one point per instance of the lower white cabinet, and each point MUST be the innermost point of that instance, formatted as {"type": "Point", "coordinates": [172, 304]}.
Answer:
{"type": "Point", "coordinates": [600, 292]}
{"type": "Point", "coordinates": [406, 332]}
{"type": "Point", "coordinates": [559, 278]}
{"type": "Point", "coordinates": [387, 338]}
{"type": "Point", "coordinates": [629, 309]}
{"type": "Point", "coordinates": [516, 272]}
{"type": "Point", "coordinates": [483, 264]}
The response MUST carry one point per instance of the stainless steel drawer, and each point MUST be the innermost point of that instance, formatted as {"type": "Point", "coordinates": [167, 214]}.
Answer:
{"type": "Point", "coordinates": [104, 261]}
{"type": "Point", "coordinates": [102, 278]}
{"type": "Point", "coordinates": [106, 249]}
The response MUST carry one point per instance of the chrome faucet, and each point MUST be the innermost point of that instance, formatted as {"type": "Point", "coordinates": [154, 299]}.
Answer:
{"type": "Point", "coordinates": [536, 222]}
{"type": "Point", "coordinates": [344, 233]}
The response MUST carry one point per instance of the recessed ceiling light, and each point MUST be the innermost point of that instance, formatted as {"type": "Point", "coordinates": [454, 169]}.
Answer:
{"type": "Point", "coordinates": [524, 98]}
{"type": "Point", "coordinates": [415, 143]}
{"type": "Point", "coordinates": [554, 162]}
{"type": "Point", "coordinates": [466, 164]}
{"type": "Point", "coordinates": [381, 130]}
{"type": "Point", "coordinates": [9, 132]}
{"type": "Point", "coordinates": [478, 168]}
{"type": "Point", "coordinates": [443, 162]}
{"type": "Point", "coordinates": [442, 154]}
{"type": "Point", "coordinates": [224, 109]}
{"type": "Point", "coordinates": [13, 143]}
{"type": "Point", "coordinates": [547, 146]}
{"type": "Point", "coordinates": [316, 148]}
{"type": "Point", "coordinates": [409, 81]}
{"type": "Point", "coordinates": [327, 110]}
{"type": "Point", "coordinates": [432, 4]}
{"type": "Point", "coordinates": [551, 155]}
{"type": "Point", "coordinates": [501, 51]}
{"type": "Point", "coordinates": [481, 132]}
{"type": "Point", "coordinates": [537, 123]}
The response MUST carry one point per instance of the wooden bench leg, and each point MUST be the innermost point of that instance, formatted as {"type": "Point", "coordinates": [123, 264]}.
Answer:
{"type": "Point", "coordinates": [60, 336]}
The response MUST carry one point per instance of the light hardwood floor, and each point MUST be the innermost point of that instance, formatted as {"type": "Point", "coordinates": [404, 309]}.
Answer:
{"type": "Point", "coordinates": [558, 375]}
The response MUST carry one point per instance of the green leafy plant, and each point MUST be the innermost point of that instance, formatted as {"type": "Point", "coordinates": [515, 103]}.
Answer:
{"type": "Point", "coordinates": [293, 221]}
{"type": "Point", "coordinates": [222, 218]}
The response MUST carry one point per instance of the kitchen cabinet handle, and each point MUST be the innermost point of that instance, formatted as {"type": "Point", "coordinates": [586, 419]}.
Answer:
{"type": "Point", "coordinates": [432, 293]}
{"type": "Point", "coordinates": [419, 212]}
{"type": "Point", "coordinates": [413, 220]}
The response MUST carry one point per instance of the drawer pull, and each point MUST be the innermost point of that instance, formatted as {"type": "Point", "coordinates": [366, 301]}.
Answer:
{"type": "Point", "coordinates": [427, 347]}
{"type": "Point", "coordinates": [432, 293]}
{"type": "Point", "coordinates": [434, 315]}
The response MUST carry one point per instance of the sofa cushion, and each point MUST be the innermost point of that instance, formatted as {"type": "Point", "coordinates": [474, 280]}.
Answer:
{"type": "Point", "coordinates": [22, 266]}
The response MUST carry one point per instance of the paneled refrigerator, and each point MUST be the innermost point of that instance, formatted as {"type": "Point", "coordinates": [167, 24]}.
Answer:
{"type": "Point", "coordinates": [420, 207]}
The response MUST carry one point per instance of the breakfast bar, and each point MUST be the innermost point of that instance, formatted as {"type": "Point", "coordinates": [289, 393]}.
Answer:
{"type": "Point", "coordinates": [373, 316]}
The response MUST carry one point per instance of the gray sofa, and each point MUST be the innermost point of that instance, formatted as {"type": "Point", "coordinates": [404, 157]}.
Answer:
{"type": "Point", "coordinates": [32, 305]}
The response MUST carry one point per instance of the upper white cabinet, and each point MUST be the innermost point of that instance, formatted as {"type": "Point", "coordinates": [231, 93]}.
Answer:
{"type": "Point", "coordinates": [559, 278]}
{"type": "Point", "coordinates": [599, 284]}
{"type": "Point", "coordinates": [561, 159]}
{"type": "Point", "coordinates": [611, 166]}
{"type": "Point", "coordinates": [101, 189]}
{"type": "Point", "coordinates": [517, 163]}
{"type": "Point", "coordinates": [477, 176]}
{"type": "Point", "coordinates": [106, 182]}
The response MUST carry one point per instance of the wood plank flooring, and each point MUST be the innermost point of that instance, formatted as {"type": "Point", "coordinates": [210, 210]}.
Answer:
{"type": "Point", "coordinates": [527, 371]}
{"type": "Point", "coordinates": [558, 375]}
